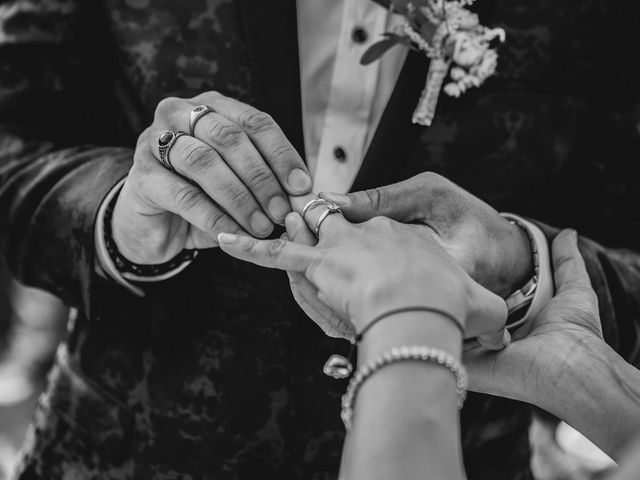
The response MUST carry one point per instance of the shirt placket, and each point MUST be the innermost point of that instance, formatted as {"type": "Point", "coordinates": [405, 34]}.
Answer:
{"type": "Point", "coordinates": [347, 120]}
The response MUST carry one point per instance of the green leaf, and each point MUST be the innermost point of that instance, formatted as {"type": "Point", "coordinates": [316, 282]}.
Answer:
{"type": "Point", "coordinates": [375, 51]}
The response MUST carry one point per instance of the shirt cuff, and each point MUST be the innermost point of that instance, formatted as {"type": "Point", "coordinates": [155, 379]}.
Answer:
{"type": "Point", "coordinates": [105, 264]}
{"type": "Point", "coordinates": [545, 289]}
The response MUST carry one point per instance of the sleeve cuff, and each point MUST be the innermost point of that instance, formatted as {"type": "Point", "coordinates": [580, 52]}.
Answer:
{"type": "Point", "coordinates": [105, 264]}
{"type": "Point", "coordinates": [545, 289]}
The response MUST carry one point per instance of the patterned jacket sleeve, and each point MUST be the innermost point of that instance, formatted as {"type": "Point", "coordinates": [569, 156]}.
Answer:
{"type": "Point", "coordinates": [615, 276]}
{"type": "Point", "coordinates": [54, 165]}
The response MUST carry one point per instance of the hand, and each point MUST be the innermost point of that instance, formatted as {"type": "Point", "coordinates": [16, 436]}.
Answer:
{"type": "Point", "coordinates": [363, 270]}
{"type": "Point", "coordinates": [234, 175]}
{"type": "Point", "coordinates": [528, 368]}
{"type": "Point", "coordinates": [496, 253]}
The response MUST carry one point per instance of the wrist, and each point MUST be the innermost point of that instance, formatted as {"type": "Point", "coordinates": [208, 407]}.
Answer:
{"type": "Point", "coordinates": [445, 293]}
{"type": "Point", "coordinates": [519, 268]}
{"type": "Point", "coordinates": [137, 245]}
{"type": "Point", "coordinates": [410, 328]}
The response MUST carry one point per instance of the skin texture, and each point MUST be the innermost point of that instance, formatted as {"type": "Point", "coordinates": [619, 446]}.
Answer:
{"type": "Point", "coordinates": [174, 359]}
{"type": "Point", "coordinates": [227, 177]}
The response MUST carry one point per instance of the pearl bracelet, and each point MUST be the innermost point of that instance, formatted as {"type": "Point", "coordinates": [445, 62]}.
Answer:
{"type": "Point", "coordinates": [400, 354]}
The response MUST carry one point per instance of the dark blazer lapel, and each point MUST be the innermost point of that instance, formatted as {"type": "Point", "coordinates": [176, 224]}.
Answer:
{"type": "Point", "coordinates": [396, 135]}
{"type": "Point", "coordinates": [271, 29]}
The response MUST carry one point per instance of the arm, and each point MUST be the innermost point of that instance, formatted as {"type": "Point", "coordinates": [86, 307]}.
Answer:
{"type": "Point", "coordinates": [413, 403]}
{"type": "Point", "coordinates": [597, 393]}
{"type": "Point", "coordinates": [52, 176]}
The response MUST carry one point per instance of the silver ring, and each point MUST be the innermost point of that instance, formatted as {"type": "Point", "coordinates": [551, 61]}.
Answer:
{"type": "Point", "coordinates": [331, 209]}
{"type": "Point", "coordinates": [196, 114]}
{"type": "Point", "coordinates": [311, 204]}
{"type": "Point", "coordinates": [165, 142]}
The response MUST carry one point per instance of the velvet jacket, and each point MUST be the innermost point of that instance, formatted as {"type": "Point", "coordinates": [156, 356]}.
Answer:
{"type": "Point", "coordinates": [216, 373]}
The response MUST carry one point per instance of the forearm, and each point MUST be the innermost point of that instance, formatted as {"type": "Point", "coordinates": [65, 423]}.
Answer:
{"type": "Point", "coordinates": [598, 393]}
{"type": "Point", "coordinates": [406, 417]}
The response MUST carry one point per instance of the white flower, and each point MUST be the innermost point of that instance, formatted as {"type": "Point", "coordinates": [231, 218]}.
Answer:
{"type": "Point", "coordinates": [468, 49]}
{"type": "Point", "coordinates": [452, 89]}
{"type": "Point", "coordinates": [457, 73]}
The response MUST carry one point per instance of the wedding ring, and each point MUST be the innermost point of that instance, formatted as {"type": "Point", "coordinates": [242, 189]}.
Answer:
{"type": "Point", "coordinates": [196, 114]}
{"type": "Point", "coordinates": [311, 204]}
{"type": "Point", "coordinates": [331, 209]}
{"type": "Point", "coordinates": [165, 142]}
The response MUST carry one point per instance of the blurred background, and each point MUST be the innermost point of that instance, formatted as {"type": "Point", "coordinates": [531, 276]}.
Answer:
{"type": "Point", "coordinates": [33, 323]}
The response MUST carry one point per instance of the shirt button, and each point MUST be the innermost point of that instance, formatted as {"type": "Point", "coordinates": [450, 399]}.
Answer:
{"type": "Point", "coordinates": [359, 35]}
{"type": "Point", "coordinates": [339, 154]}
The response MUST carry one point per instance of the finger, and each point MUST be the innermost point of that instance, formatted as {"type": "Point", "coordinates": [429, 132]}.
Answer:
{"type": "Point", "coordinates": [198, 162]}
{"type": "Point", "coordinates": [306, 295]}
{"type": "Point", "coordinates": [298, 230]}
{"type": "Point", "coordinates": [487, 316]}
{"type": "Point", "coordinates": [268, 138]}
{"type": "Point", "coordinates": [239, 153]}
{"type": "Point", "coordinates": [495, 341]}
{"type": "Point", "coordinates": [172, 193]}
{"type": "Point", "coordinates": [278, 253]}
{"type": "Point", "coordinates": [399, 201]}
{"type": "Point", "coordinates": [332, 225]}
{"type": "Point", "coordinates": [569, 269]}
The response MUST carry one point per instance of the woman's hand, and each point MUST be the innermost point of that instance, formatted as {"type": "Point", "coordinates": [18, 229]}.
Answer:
{"type": "Point", "coordinates": [529, 368]}
{"type": "Point", "coordinates": [366, 269]}
{"type": "Point", "coordinates": [233, 175]}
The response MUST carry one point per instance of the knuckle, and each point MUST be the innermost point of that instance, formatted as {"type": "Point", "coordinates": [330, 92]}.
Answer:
{"type": "Point", "coordinates": [238, 197]}
{"type": "Point", "coordinates": [166, 106]}
{"type": "Point", "coordinates": [225, 135]}
{"type": "Point", "coordinates": [378, 199]}
{"type": "Point", "coordinates": [213, 219]}
{"type": "Point", "coordinates": [258, 177]}
{"type": "Point", "coordinates": [197, 157]}
{"type": "Point", "coordinates": [429, 178]}
{"type": "Point", "coordinates": [378, 222]}
{"type": "Point", "coordinates": [281, 152]}
{"type": "Point", "coordinates": [255, 121]}
{"type": "Point", "coordinates": [186, 197]}
{"type": "Point", "coordinates": [273, 248]}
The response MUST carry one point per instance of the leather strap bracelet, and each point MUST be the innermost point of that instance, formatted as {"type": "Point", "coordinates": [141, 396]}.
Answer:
{"type": "Point", "coordinates": [124, 265]}
{"type": "Point", "coordinates": [401, 354]}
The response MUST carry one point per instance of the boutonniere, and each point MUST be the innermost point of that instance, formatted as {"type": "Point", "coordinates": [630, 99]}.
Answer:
{"type": "Point", "coordinates": [452, 37]}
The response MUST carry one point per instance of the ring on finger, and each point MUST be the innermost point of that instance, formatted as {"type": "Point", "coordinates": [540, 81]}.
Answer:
{"type": "Point", "coordinates": [165, 141]}
{"type": "Point", "coordinates": [196, 114]}
{"type": "Point", "coordinates": [331, 209]}
{"type": "Point", "coordinates": [314, 202]}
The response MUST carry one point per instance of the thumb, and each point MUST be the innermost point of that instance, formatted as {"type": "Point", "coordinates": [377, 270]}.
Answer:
{"type": "Point", "coordinates": [569, 269]}
{"type": "Point", "coordinates": [487, 318]}
{"type": "Point", "coordinates": [399, 201]}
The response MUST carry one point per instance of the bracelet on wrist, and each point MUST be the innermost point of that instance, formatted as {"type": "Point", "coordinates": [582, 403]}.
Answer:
{"type": "Point", "coordinates": [340, 367]}
{"type": "Point", "coordinates": [401, 354]}
{"type": "Point", "coordinates": [123, 265]}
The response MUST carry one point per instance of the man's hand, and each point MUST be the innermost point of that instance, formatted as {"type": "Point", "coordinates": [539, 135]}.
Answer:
{"type": "Point", "coordinates": [495, 253]}
{"type": "Point", "coordinates": [529, 368]}
{"type": "Point", "coordinates": [234, 175]}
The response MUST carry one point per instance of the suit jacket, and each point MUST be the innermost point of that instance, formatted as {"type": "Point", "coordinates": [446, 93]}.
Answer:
{"type": "Point", "coordinates": [216, 373]}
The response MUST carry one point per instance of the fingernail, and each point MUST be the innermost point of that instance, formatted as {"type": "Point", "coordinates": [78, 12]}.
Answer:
{"type": "Point", "coordinates": [278, 208]}
{"type": "Point", "coordinates": [227, 238]}
{"type": "Point", "coordinates": [260, 223]}
{"type": "Point", "coordinates": [299, 180]}
{"type": "Point", "coordinates": [506, 338]}
{"type": "Point", "coordinates": [335, 197]}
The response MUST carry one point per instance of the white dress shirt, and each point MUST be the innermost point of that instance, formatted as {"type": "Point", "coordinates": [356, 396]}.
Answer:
{"type": "Point", "coordinates": [342, 102]}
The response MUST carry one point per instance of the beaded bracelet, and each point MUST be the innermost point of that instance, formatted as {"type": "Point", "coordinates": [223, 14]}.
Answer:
{"type": "Point", "coordinates": [340, 367]}
{"type": "Point", "coordinates": [125, 266]}
{"type": "Point", "coordinates": [401, 354]}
